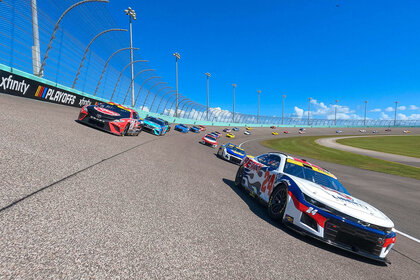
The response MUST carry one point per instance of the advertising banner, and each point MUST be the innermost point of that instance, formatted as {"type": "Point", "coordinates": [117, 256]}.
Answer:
{"type": "Point", "coordinates": [11, 83]}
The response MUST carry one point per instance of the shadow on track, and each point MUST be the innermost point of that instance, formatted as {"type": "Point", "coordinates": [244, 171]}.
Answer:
{"type": "Point", "coordinates": [261, 211]}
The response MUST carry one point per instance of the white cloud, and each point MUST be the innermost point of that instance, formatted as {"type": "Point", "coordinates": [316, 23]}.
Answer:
{"type": "Point", "coordinates": [404, 117]}
{"type": "Point", "coordinates": [298, 112]}
{"type": "Point", "coordinates": [402, 108]}
{"type": "Point", "coordinates": [375, 110]}
{"type": "Point", "coordinates": [413, 107]}
{"type": "Point", "coordinates": [389, 109]}
{"type": "Point", "coordinates": [384, 116]}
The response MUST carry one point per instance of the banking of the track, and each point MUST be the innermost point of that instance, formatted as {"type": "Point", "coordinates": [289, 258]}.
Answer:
{"type": "Point", "coordinates": [84, 203]}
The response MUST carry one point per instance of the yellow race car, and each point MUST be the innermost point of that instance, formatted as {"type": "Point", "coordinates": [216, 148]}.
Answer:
{"type": "Point", "coordinates": [275, 133]}
{"type": "Point", "coordinates": [248, 128]}
{"type": "Point", "coordinates": [230, 135]}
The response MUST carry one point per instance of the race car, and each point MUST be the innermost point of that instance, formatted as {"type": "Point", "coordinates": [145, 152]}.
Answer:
{"type": "Point", "coordinates": [248, 128]}
{"type": "Point", "coordinates": [338, 131]}
{"type": "Point", "coordinates": [231, 153]}
{"type": "Point", "coordinates": [374, 132]}
{"type": "Point", "coordinates": [311, 200]}
{"type": "Point", "coordinates": [214, 134]}
{"type": "Point", "coordinates": [230, 135]}
{"type": "Point", "coordinates": [275, 133]}
{"type": "Point", "coordinates": [111, 117]}
{"type": "Point", "coordinates": [218, 134]}
{"type": "Point", "coordinates": [202, 128]}
{"type": "Point", "coordinates": [362, 130]}
{"type": "Point", "coordinates": [286, 132]}
{"type": "Point", "coordinates": [156, 126]}
{"type": "Point", "coordinates": [246, 132]}
{"type": "Point", "coordinates": [273, 127]}
{"type": "Point", "coordinates": [406, 131]}
{"type": "Point", "coordinates": [195, 129]}
{"type": "Point", "coordinates": [209, 140]}
{"type": "Point", "coordinates": [181, 128]}
{"type": "Point", "coordinates": [227, 130]}
{"type": "Point", "coordinates": [388, 130]}
{"type": "Point", "coordinates": [302, 132]}
{"type": "Point", "coordinates": [235, 129]}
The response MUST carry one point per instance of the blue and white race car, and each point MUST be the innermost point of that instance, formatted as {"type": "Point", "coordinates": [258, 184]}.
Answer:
{"type": "Point", "coordinates": [182, 128]}
{"type": "Point", "coordinates": [311, 200]}
{"type": "Point", "coordinates": [155, 125]}
{"type": "Point", "coordinates": [195, 129]}
{"type": "Point", "coordinates": [232, 153]}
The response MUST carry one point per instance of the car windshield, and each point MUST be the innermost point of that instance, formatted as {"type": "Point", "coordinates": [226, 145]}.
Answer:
{"type": "Point", "coordinates": [236, 149]}
{"type": "Point", "coordinates": [123, 113]}
{"type": "Point", "coordinates": [155, 120]}
{"type": "Point", "coordinates": [183, 125]}
{"type": "Point", "coordinates": [210, 137]}
{"type": "Point", "coordinates": [309, 174]}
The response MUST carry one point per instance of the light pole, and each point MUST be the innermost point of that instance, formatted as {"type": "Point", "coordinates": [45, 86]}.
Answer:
{"type": "Point", "coordinates": [335, 114]}
{"type": "Point", "coordinates": [282, 111]}
{"type": "Point", "coordinates": [208, 78]}
{"type": "Point", "coordinates": [87, 48]}
{"type": "Point", "coordinates": [258, 112]}
{"type": "Point", "coordinates": [41, 69]}
{"type": "Point", "coordinates": [309, 110]}
{"type": "Point", "coordinates": [36, 53]}
{"type": "Point", "coordinates": [233, 117]}
{"type": "Point", "coordinates": [131, 14]}
{"type": "Point", "coordinates": [177, 56]}
{"type": "Point", "coordinates": [395, 116]}
{"type": "Point", "coordinates": [135, 76]}
{"type": "Point", "coordinates": [106, 64]}
{"type": "Point", "coordinates": [364, 122]}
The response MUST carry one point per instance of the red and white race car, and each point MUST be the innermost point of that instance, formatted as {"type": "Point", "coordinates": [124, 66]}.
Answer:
{"type": "Point", "coordinates": [202, 128]}
{"type": "Point", "coordinates": [111, 117]}
{"type": "Point", "coordinates": [209, 140]}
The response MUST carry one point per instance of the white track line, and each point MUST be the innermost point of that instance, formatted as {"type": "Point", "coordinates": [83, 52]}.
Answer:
{"type": "Point", "coordinates": [408, 236]}
{"type": "Point", "coordinates": [397, 231]}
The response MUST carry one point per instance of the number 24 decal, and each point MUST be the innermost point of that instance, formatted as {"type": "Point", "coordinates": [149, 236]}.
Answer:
{"type": "Point", "coordinates": [268, 182]}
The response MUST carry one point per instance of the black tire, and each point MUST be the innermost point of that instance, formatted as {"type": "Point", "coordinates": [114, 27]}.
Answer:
{"type": "Point", "coordinates": [239, 175]}
{"type": "Point", "coordinates": [219, 154]}
{"type": "Point", "coordinates": [277, 203]}
{"type": "Point", "coordinates": [125, 132]}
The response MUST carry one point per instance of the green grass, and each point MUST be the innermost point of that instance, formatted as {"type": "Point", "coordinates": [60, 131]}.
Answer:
{"type": "Point", "coordinates": [408, 145]}
{"type": "Point", "coordinates": [307, 148]}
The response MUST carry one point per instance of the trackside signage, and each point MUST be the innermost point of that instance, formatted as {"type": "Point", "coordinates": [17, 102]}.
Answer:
{"type": "Point", "coordinates": [13, 84]}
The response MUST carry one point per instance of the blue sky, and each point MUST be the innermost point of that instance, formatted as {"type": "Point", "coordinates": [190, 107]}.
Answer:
{"type": "Point", "coordinates": [346, 50]}
{"type": "Point", "coordinates": [360, 50]}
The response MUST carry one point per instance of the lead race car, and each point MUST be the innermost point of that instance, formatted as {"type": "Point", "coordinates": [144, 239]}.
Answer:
{"type": "Point", "coordinates": [111, 117]}
{"type": "Point", "coordinates": [311, 200]}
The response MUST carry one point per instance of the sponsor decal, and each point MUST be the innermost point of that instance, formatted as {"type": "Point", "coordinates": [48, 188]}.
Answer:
{"type": "Point", "coordinates": [55, 95]}
{"type": "Point", "coordinates": [289, 218]}
{"type": "Point", "coordinates": [106, 111]}
{"type": "Point", "coordinates": [11, 83]}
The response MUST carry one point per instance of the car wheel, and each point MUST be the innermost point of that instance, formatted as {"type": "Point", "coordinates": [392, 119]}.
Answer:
{"type": "Point", "coordinates": [277, 203]}
{"type": "Point", "coordinates": [239, 176]}
{"type": "Point", "coordinates": [125, 132]}
{"type": "Point", "coordinates": [219, 153]}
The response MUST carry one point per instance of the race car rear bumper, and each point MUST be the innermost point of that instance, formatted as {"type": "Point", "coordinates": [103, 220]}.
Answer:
{"type": "Point", "coordinates": [101, 124]}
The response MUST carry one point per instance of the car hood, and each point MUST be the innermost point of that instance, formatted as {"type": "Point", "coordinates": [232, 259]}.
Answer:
{"type": "Point", "coordinates": [151, 123]}
{"type": "Point", "coordinates": [344, 203]}
{"type": "Point", "coordinates": [235, 153]}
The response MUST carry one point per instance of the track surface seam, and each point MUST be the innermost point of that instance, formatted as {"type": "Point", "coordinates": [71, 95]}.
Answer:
{"type": "Point", "coordinates": [72, 175]}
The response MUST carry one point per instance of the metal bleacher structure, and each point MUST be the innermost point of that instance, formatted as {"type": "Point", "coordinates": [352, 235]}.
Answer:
{"type": "Point", "coordinates": [89, 55]}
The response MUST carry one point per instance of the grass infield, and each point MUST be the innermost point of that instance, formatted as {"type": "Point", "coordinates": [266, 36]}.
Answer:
{"type": "Point", "coordinates": [408, 145]}
{"type": "Point", "coordinates": [306, 147]}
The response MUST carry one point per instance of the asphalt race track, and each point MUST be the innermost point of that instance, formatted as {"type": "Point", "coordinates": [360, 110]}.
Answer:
{"type": "Point", "coordinates": [76, 202]}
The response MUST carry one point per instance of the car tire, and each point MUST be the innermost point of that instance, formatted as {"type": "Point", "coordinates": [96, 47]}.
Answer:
{"type": "Point", "coordinates": [278, 202]}
{"type": "Point", "coordinates": [239, 176]}
{"type": "Point", "coordinates": [219, 153]}
{"type": "Point", "coordinates": [125, 132]}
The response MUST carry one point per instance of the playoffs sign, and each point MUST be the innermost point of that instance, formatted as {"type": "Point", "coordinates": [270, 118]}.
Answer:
{"type": "Point", "coordinates": [20, 86]}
